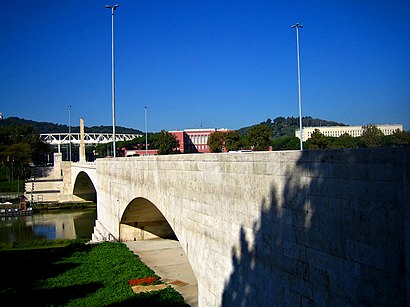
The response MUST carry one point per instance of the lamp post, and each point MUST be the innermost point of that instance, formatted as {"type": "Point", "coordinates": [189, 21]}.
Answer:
{"type": "Point", "coordinates": [69, 132]}
{"type": "Point", "coordinates": [112, 8]}
{"type": "Point", "coordinates": [297, 26]}
{"type": "Point", "coordinates": [146, 133]}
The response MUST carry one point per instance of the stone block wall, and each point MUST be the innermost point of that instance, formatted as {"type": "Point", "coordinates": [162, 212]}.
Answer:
{"type": "Point", "coordinates": [331, 234]}
{"type": "Point", "coordinates": [319, 228]}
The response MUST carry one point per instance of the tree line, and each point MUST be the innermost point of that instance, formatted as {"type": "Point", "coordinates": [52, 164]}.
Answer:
{"type": "Point", "coordinates": [165, 142]}
{"type": "Point", "coordinates": [20, 146]}
{"type": "Point", "coordinates": [260, 138]}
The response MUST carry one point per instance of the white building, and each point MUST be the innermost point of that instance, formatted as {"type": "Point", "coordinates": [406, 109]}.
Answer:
{"type": "Point", "coordinates": [336, 131]}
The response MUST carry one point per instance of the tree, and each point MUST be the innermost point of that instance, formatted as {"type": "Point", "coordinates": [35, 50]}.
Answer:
{"type": "Point", "coordinates": [216, 141]}
{"type": "Point", "coordinates": [167, 142]}
{"type": "Point", "coordinates": [219, 141]}
{"type": "Point", "coordinates": [372, 136]}
{"type": "Point", "coordinates": [286, 143]}
{"type": "Point", "coordinates": [398, 138]}
{"type": "Point", "coordinates": [232, 140]}
{"type": "Point", "coordinates": [317, 141]}
{"type": "Point", "coordinates": [20, 146]}
{"type": "Point", "coordinates": [260, 136]}
{"type": "Point", "coordinates": [344, 141]}
{"type": "Point", "coordinates": [17, 157]}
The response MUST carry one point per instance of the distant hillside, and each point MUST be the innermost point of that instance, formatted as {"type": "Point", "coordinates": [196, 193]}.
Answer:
{"type": "Point", "coordinates": [280, 126]}
{"type": "Point", "coordinates": [285, 127]}
{"type": "Point", "coordinates": [45, 127]}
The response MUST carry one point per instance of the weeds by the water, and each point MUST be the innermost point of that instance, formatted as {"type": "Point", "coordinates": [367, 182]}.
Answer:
{"type": "Point", "coordinates": [60, 206]}
{"type": "Point", "coordinates": [78, 275]}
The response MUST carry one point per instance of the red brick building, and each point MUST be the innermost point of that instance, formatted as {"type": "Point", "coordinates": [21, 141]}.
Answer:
{"type": "Point", "coordinates": [194, 140]}
{"type": "Point", "coordinates": [190, 141]}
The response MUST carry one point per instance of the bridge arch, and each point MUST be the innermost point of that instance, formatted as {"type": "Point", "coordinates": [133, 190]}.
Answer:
{"type": "Point", "coordinates": [84, 187]}
{"type": "Point", "coordinates": [142, 220]}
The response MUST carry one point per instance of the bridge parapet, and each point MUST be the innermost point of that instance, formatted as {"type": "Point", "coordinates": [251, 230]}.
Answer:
{"type": "Point", "coordinates": [89, 165]}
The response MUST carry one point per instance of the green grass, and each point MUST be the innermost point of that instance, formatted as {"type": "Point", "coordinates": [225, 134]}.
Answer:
{"type": "Point", "coordinates": [78, 275]}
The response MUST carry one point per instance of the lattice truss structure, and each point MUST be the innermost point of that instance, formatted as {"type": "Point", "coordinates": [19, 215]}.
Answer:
{"type": "Point", "coordinates": [90, 138]}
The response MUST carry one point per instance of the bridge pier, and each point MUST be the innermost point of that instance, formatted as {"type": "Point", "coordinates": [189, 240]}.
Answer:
{"type": "Point", "coordinates": [101, 233]}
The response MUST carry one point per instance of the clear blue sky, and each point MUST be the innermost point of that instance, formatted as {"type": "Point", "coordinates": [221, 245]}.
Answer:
{"type": "Point", "coordinates": [209, 63]}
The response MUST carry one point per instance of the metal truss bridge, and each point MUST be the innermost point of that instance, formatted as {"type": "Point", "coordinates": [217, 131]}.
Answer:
{"type": "Point", "coordinates": [90, 138]}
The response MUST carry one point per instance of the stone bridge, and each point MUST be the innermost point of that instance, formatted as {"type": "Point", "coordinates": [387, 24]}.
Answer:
{"type": "Point", "coordinates": [325, 228]}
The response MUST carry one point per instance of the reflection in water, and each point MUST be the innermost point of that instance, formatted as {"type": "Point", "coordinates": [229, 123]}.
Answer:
{"type": "Point", "coordinates": [49, 225]}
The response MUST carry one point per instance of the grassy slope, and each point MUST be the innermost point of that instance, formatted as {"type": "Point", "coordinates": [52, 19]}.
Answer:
{"type": "Point", "coordinates": [78, 275]}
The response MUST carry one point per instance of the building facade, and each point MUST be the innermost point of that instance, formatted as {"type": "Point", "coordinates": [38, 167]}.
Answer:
{"type": "Point", "coordinates": [195, 140]}
{"type": "Point", "coordinates": [337, 131]}
{"type": "Point", "coordinates": [190, 141]}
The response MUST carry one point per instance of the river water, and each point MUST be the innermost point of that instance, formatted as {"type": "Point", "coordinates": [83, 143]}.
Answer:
{"type": "Point", "coordinates": [49, 225]}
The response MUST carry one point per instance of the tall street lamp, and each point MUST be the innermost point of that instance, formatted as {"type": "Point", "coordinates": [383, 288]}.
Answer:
{"type": "Point", "coordinates": [146, 133]}
{"type": "Point", "coordinates": [69, 132]}
{"type": "Point", "coordinates": [297, 26]}
{"type": "Point", "coordinates": [112, 8]}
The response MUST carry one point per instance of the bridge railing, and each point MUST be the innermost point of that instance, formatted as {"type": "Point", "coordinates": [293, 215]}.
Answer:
{"type": "Point", "coordinates": [84, 164]}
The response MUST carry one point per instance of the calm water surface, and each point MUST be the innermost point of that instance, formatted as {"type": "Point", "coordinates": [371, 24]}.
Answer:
{"type": "Point", "coordinates": [49, 225]}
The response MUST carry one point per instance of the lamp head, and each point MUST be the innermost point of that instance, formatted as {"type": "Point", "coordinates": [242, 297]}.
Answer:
{"type": "Point", "coordinates": [107, 7]}
{"type": "Point", "coordinates": [297, 25]}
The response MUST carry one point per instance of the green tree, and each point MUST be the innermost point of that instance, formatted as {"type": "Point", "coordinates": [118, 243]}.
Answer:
{"type": "Point", "coordinates": [344, 141]}
{"type": "Point", "coordinates": [286, 143]}
{"type": "Point", "coordinates": [17, 157]}
{"type": "Point", "coordinates": [317, 140]}
{"type": "Point", "coordinates": [232, 141]}
{"type": "Point", "coordinates": [372, 136]}
{"type": "Point", "coordinates": [167, 143]}
{"type": "Point", "coordinates": [260, 136]}
{"type": "Point", "coordinates": [219, 141]}
{"type": "Point", "coordinates": [20, 146]}
{"type": "Point", "coordinates": [245, 141]}
{"type": "Point", "coordinates": [398, 138]}
{"type": "Point", "coordinates": [216, 141]}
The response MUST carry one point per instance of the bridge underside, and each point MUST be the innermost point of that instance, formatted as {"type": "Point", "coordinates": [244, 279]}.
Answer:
{"type": "Point", "coordinates": [84, 188]}
{"type": "Point", "coordinates": [143, 221]}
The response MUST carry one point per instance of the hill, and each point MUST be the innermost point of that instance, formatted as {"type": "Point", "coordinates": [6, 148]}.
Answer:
{"type": "Point", "coordinates": [286, 127]}
{"type": "Point", "coordinates": [280, 126]}
{"type": "Point", "coordinates": [45, 127]}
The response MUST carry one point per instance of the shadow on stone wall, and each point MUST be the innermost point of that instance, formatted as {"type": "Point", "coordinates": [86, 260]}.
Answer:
{"type": "Point", "coordinates": [333, 236]}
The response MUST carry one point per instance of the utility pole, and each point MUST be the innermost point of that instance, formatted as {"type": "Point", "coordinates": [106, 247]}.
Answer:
{"type": "Point", "coordinates": [112, 8]}
{"type": "Point", "coordinates": [146, 133]}
{"type": "Point", "coordinates": [297, 26]}
{"type": "Point", "coordinates": [69, 132]}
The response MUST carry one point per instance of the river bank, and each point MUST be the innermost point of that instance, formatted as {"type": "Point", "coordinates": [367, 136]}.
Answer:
{"type": "Point", "coordinates": [47, 206]}
{"type": "Point", "coordinates": [59, 206]}
{"type": "Point", "coordinates": [79, 274]}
